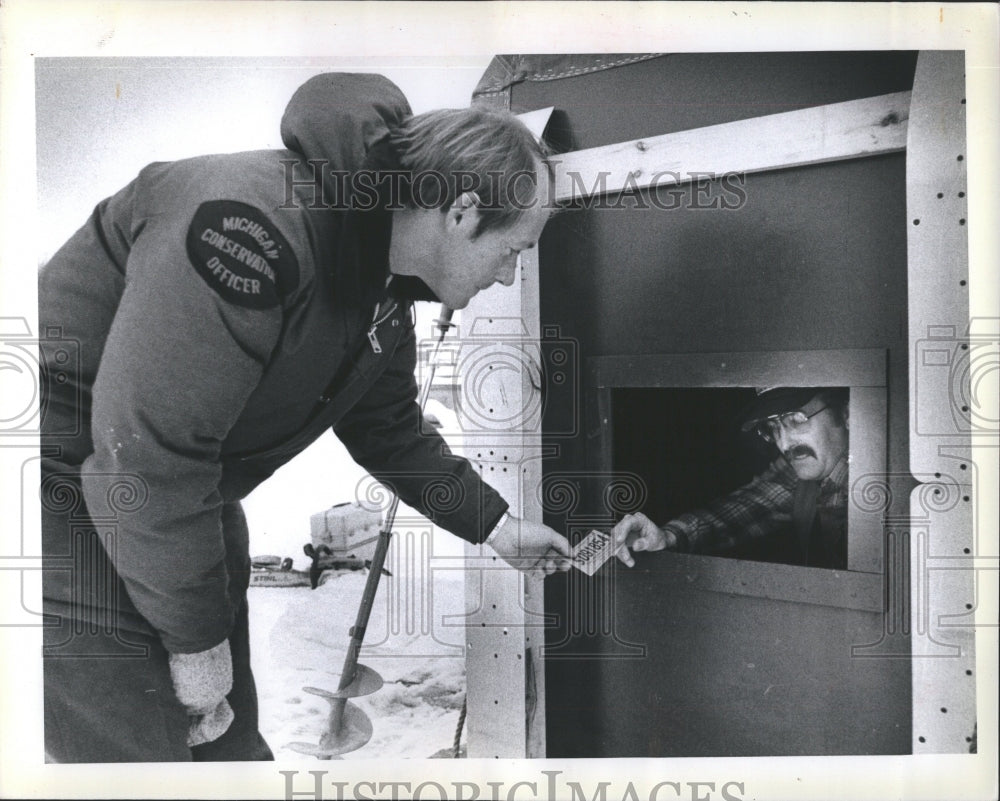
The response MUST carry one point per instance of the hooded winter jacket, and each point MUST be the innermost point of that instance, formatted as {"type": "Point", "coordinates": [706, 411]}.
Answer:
{"type": "Point", "coordinates": [207, 323]}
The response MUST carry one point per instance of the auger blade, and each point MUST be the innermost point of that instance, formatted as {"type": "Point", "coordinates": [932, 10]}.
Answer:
{"type": "Point", "coordinates": [366, 681]}
{"type": "Point", "coordinates": [354, 732]}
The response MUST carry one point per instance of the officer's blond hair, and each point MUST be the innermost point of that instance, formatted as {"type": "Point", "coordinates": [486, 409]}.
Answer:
{"type": "Point", "coordinates": [484, 150]}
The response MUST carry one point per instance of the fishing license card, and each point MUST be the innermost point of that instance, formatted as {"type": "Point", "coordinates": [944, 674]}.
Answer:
{"type": "Point", "coordinates": [593, 551]}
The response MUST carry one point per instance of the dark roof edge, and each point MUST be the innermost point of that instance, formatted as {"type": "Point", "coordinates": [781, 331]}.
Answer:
{"type": "Point", "coordinates": [505, 71]}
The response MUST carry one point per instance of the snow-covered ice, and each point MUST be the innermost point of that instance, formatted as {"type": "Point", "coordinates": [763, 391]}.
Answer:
{"type": "Point", "coordinates": [299, 637]}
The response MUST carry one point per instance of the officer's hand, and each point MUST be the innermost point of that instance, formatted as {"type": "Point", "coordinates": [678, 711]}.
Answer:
{"type": "Point", "coordinates": [640, 533]}
{"type": "Point", "coordinates": [531, 547]}
{"type": "Point", "coordinates": [211, 726]}
{"type": "Point", "coordinates": [201, 682]}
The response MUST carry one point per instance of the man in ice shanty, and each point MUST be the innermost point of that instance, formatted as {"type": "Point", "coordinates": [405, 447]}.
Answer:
{"type": "Point", "coordinates": [229, 309]}
{"type": "Point", "coordinates": [802, 495]}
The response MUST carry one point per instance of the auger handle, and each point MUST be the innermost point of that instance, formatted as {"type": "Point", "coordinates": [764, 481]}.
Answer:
{"type": "Point", "coordinates": [349, 670]}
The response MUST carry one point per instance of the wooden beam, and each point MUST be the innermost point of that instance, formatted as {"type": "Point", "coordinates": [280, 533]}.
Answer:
{"type": "Point", "coordinates": [834, 132]}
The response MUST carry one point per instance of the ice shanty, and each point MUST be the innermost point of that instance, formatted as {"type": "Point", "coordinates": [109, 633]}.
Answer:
{"type": "Point", "coordinates": [730, 221]}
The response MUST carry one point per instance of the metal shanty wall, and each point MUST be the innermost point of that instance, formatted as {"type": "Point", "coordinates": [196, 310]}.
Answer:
{"type": "Point", "coordinates": [500, 413]}
{"type": "Point", "coordinates": [946, 421]}
{"type": "Point", "coordinates": [690, 655]}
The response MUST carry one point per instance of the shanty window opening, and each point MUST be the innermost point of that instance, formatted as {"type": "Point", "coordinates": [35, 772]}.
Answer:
{"type": "Point", "coordinates": [729, 478]}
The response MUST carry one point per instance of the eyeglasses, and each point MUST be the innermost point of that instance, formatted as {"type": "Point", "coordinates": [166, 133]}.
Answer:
{"type": "Point", "coordinates": [767, 429]}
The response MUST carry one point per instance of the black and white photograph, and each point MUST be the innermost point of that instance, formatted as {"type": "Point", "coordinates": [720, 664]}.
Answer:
{"type": "Point", "coordinates": [499, 401]}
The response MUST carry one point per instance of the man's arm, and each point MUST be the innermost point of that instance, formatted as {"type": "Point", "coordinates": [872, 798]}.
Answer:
{"type": "Point", "coordinates": [754, 510]}
{"type": "Point", "coordinates": [177, 368]}
{"type": "Point", "coordinates": [385, 435]}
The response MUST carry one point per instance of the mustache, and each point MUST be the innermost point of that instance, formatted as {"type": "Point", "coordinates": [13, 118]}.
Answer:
{"type": "Point", "coordinates": [800, 450]}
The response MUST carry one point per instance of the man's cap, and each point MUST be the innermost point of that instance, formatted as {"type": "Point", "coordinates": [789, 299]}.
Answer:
{"type": "Point", "coordinates": [776, 400]}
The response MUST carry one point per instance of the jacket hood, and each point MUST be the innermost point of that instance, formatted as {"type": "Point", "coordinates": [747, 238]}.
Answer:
{"type": "Point", "coordinates": [338, 117]}
{"type": "Point", "coordinates": [343, 120]}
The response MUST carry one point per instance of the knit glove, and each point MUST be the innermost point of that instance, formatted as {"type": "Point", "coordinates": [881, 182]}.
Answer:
{"type": "Point", "coordinates": [201, 683]}
{"type": "Point", "coordinates": [209, 727]}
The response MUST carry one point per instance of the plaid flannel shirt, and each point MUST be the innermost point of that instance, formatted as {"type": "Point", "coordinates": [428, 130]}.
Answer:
{"type": "Point", "coordinates": [757, 509]}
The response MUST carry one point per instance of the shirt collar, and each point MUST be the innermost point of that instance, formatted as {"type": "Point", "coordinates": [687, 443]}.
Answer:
{"type": "Point", "coordinates": [838, 476]}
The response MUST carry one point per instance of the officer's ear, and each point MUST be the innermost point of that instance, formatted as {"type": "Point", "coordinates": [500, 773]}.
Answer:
{"type": "Point", "coordinates": [463, 215]}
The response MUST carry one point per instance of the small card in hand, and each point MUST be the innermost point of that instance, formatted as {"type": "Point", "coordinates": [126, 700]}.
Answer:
{"type": "Point", "coordinates": [593, 551]}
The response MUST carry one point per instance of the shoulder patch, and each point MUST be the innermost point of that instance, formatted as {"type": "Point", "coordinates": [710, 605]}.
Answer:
{"type": "Point", "coordinates": [241, 254]}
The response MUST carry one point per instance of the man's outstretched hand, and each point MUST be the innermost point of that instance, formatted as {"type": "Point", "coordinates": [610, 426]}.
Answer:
{"type": "Point", "coordinates": [638, 533]}
{"type": "Point", "coordinates": [532, 547]}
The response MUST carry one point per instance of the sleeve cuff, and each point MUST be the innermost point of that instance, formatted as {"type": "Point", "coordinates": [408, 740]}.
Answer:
{"type": "Point", "coordinates": [504, 517]}
{"type": "Point", "coordinates": [683, 543]}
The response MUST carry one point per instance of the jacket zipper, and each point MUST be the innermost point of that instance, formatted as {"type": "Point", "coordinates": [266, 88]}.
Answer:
{"type": "Point", "coordinates": [326, 397]}
{"type": "Point", "coordinates": [376, 322]}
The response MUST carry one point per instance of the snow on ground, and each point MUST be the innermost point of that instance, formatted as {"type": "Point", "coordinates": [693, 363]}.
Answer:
{"type": "Point", "coordinates": [299, 637]}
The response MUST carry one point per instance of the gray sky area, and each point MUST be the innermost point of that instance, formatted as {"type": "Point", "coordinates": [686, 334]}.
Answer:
{"type": "Point", "coordinates": [99, 121]}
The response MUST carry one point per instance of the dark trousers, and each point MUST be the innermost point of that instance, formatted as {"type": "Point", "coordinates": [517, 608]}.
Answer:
{"type": "Point", "coordinates": [108, 692]}
{"type": "Point", "coordinates": [109, 702]}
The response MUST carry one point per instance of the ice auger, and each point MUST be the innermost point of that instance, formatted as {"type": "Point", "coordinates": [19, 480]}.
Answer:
{"type": "Point", "coordinates": [348, 727]}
